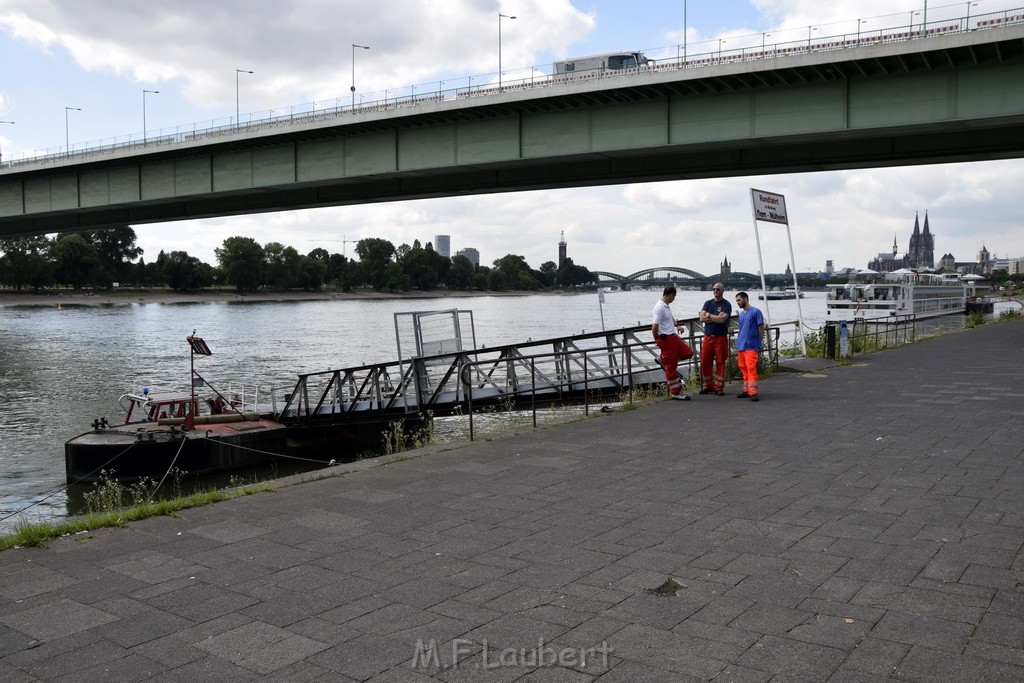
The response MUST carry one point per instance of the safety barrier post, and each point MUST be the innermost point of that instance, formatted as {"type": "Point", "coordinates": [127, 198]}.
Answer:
{"type": "Point", "coordinates": [629, 370]}
{"type": "Point", "coordinates": [586, 386]}
{"type": "Point", "coordinates": [533, 390]}
{"type": "Point", "coordinates": [469, 406]}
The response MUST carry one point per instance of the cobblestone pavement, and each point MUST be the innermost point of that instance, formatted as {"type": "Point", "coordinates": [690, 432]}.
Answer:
{"type": "Point", "coordinates": [859, 523]}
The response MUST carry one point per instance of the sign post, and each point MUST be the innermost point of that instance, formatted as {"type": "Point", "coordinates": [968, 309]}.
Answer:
{"type": "Point", "coordinates": [771, 208]}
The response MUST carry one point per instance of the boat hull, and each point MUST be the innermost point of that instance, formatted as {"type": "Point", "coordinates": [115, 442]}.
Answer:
{"type": "Point", "coordinates": [133, 452]}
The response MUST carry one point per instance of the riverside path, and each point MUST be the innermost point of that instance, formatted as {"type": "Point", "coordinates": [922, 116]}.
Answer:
{"type": "Point", "coordinates": [862, 522]}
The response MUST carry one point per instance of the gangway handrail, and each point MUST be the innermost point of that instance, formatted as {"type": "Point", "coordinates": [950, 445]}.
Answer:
{"type": "Point", "coordinates": [551, 369]}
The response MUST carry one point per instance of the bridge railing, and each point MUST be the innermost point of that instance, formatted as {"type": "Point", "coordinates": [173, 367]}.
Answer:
{"type": "Point", "coordinates": [752, 47]}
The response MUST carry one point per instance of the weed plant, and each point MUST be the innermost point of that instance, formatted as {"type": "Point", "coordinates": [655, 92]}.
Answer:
{"type": "Point", "coordinates": [974, 319]}
{"type": "Point", "coordinates": [397, 439]}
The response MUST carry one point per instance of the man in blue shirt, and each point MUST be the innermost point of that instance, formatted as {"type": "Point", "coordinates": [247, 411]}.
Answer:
{"type": "Point", "coordinates": [714, 348]}
{"type": "Point", "coordinates": [748, 344]}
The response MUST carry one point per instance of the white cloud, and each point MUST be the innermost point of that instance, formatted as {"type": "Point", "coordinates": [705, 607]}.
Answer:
{"type": "Point", "coordinates": [299, 51]}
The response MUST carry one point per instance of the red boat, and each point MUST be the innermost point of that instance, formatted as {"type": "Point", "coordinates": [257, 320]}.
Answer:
{"type": "Point", "coordinates": [165, 431]}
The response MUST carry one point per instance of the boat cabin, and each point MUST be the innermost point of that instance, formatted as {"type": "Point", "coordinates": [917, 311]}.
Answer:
{"type": "Point", "coordinates": [147, 407]}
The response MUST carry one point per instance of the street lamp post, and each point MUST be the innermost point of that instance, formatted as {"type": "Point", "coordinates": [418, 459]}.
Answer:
{"type": "Point", "coordinates": [67, 137]}
{"type": "Point", "coordinates": [720, 41]}
{"type": "Point", "coordinates": [354, 46]}
{"type": "Point", "coordinates": [155, 92]}
{"type": "Point", "coordinates": [924, 20]}
{"type": "Point", "coordinates": [500, 17]}
{"type": "Point", "coordinates": [684, 31]}
{"type": "Point", "coordinates": [1, 151]}
{"type": "Point", "coordinates": [237, 114]}
{"type": "Point", "coordinates": [969, 6]}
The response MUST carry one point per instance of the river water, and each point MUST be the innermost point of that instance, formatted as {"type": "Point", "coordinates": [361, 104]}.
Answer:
{"type": "Point", "coordinates": [61, 369]}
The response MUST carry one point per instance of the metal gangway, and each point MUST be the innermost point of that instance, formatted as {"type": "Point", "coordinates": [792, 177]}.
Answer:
{"type": "Point", "coordinates": [547, 371]}
{"type": "Point", "coordinates": [458, 378]}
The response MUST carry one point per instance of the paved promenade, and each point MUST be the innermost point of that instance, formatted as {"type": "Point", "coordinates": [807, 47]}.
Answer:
{"type": "Point", "coordinates": [860, 523]}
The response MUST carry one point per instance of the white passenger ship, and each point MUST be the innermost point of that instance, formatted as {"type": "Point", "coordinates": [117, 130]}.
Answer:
{"type": "Point", "coordinates": [899, 294]}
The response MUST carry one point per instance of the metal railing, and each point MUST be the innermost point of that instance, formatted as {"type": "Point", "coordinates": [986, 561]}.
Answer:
{"type": "Point", "coordinates": [560, 371]}
{"type": "Point", "coordinates": [753, 47]}
{"type": "Point", "coordinates": [557, 367]}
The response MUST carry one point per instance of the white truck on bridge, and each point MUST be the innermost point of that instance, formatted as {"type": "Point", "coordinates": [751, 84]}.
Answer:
{"type": "Point", "coordinates": [610, 60]}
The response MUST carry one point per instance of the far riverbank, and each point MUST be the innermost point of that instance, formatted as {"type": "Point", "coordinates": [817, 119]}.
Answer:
{"type": "Point", "coordinates": [105, 298]}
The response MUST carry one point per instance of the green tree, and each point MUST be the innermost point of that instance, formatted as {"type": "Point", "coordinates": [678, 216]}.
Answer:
{"type": "Point", "coordinates": [283, 266]}
{"type": "Point", "coordinates": [571, 275]}
{"type": "Point", "coordinates": [27, 262]}
{"type": "Point", "coordinates": [548, 273]}
{"type": "Point", "coordinates": [341, 272]}
{"type": "Point", "coordinates": [77, 263]}
{"type": "Point", "coordinates": [481, 278]}
{"type": "Point", "coordinates": [460, 274]}
{"type": "Point", "coordinates": [241, 260]}
{"type": "Point", "coordinates": [375, 256]}
{"type": "Point", "coordinates": [183, 272]}
{"type": "Point", "coordinates": [515, 273]}
{"type": "Point", "coordinates": [116, 250]}
{"type": "Point", "coordinates": [395, 279]}
{"type": "Point", "coordinates": [419, 267]}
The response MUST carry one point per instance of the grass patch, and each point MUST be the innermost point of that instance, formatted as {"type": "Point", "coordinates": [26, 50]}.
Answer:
{"type": "Point", "coordinates": [29, 534]}
{"type": "Point", "coordinates": [113, 504]}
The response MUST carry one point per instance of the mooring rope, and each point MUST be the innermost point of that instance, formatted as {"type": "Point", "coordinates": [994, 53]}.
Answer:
{"type": "Point", "coordinates": [65, 487]}
{"type": "Point", "coordinates": [169, 469]}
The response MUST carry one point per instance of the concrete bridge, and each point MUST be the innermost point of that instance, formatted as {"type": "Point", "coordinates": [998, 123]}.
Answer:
{"type": "Point", "coordinates": [837, 103]}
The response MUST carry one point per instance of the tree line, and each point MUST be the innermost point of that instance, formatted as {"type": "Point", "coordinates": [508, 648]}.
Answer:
{"type": "Point", "coordinates": [101, 257]}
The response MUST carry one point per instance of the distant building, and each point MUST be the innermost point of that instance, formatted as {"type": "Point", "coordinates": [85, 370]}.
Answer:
{"type": "Point", "coordinates": [984, 264]}
{"type": "Point", "coordinates": [443, 245]}
{"type": "Point", "coordinates": [562, 249]}
{"type": "Point", "coordinates": [921, 253]}
{"type": "Point", "coordinates": [472, 254]}
{"type": "Point", "coordinates": [726, 266]}
{"type": "Point", "coordinates": [829, 268]}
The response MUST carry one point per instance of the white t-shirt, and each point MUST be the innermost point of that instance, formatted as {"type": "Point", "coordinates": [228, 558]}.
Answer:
{"type": "Point", "coordinates": [663, 317]}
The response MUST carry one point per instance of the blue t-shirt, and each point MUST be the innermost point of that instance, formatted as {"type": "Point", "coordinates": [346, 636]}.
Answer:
{"type": "Point", "coordinates": [748, 338]}
{"type": "Point", "coordinates": [714, 308]}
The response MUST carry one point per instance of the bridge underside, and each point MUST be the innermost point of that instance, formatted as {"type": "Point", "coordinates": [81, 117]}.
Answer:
{"type": "Point", "coordinates": [961, 101]}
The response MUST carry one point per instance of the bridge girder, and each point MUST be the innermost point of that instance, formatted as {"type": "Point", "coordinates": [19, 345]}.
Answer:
{"type": "Point", "coordinates": [565, 136]}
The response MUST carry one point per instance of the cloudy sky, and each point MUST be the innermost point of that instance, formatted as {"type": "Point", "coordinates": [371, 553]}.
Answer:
{"type": "Point", "coordinates": [100, 55]}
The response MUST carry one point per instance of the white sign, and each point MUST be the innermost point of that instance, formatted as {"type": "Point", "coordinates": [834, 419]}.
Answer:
{"type": "Point", "coordinates": [768, 207]}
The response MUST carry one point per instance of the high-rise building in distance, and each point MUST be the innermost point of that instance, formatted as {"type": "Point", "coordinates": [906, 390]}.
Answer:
{"type": "Point", "coordinates": [472, 254]}
{"type": "Point", "coordinates": [443, 245]}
